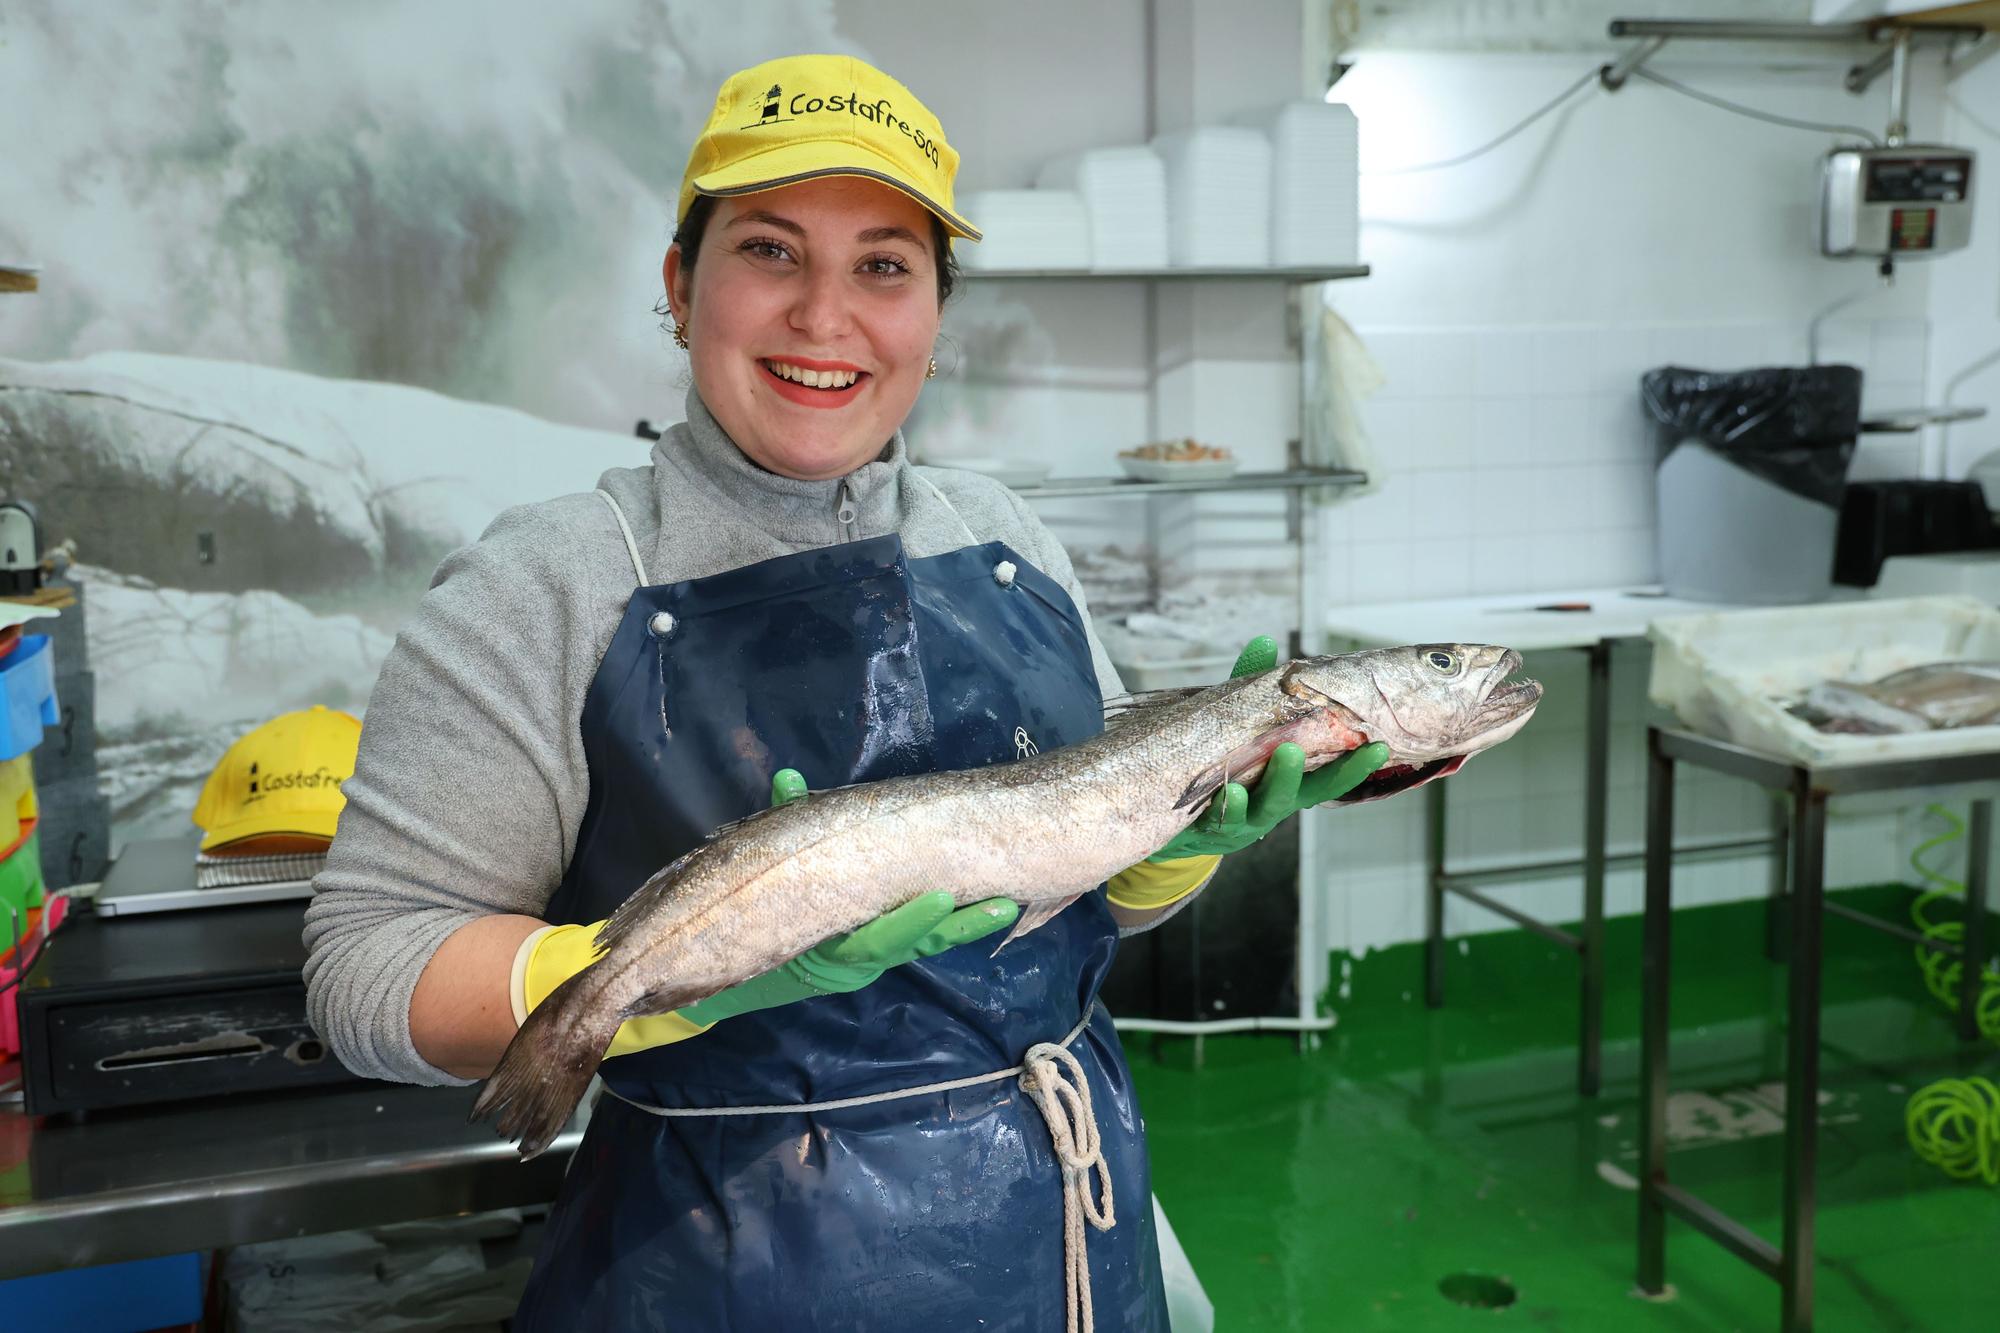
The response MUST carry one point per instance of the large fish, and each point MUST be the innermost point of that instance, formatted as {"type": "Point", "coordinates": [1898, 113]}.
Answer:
{"type": "Point", "coordinates": [1042, 831]}
{"type": "Point", "coordinates": [1933, 697]}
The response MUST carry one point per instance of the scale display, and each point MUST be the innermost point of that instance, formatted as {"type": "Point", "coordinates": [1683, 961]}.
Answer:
{"type": "Point", "coordinates": [1907, 202]}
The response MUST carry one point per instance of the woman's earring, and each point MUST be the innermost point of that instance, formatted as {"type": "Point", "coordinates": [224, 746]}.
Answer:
{"type": "Point", "coordinates": [930, 371]}
{"type": "Point", "coordinates": [680, 335]}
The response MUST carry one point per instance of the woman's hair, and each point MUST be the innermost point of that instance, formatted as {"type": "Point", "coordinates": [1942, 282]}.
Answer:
{"type": "Point", "coordinates": [688, 237]}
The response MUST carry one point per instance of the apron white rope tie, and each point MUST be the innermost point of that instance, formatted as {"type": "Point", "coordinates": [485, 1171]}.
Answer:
{"type": "Point", "coordinates": [1054, 1080]}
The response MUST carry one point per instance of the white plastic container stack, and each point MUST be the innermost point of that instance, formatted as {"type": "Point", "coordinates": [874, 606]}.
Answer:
{"type": "Point", "coordinates": [1125, 193]}
{"type": "Point", "coordinates": [1732, 674]}
{"type": "Point", "coordinates": [1027, 229]}
{"type": "Point", "coordinates": [1315, 183]}
{"type": "Point", "coordinates": [1218, 197]}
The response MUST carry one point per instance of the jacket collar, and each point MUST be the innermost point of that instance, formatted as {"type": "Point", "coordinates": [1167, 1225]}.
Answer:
{"type": "Point", "coordinates": [700, 451]}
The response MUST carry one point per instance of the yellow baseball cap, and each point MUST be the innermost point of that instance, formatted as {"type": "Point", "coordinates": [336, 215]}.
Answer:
{"type": "Point", "coordinates": [801, 117]}
{"type": "Point", "coordinates": [282, 778]}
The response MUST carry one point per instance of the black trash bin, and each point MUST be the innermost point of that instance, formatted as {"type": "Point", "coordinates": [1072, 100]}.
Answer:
{"type": "Point", "coordinates": [1750, 469]}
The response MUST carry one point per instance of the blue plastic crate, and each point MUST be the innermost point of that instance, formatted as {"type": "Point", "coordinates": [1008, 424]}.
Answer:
{"type": "Point", "coordinates": [111, 1298]}
{"type": "Point", "coordinates": [27, 695]}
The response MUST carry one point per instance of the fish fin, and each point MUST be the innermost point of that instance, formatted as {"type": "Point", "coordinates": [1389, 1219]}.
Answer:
{"type": "Point", "coordinates": [1205, 784]}
{"type": "Point", "coordinates": [1122, 708]}
{"type": "Point", "coordinates": [546, 1068]}
{"type": "Point", "coordinates": [1035, 917]}
{"type": "Point", "coordinates": [663, 882]}
{"type": "Point", "coordinates": [1218, 775]}
{"type": "Point", "coordinates": [640, 904]}
{"type": "Point", "coordinates": [722, 830]}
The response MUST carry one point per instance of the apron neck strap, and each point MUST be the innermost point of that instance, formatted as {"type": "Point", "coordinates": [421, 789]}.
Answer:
{"type": "Point", "coordinates": [625, 530]}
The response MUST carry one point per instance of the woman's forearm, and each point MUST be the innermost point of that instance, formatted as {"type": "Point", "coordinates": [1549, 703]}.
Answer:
{"type": "Point", "coordinates": [461, 1015]}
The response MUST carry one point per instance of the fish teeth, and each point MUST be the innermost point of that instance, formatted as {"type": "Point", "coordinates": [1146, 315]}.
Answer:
{"type": "Point", "coordinates": [813, 379]}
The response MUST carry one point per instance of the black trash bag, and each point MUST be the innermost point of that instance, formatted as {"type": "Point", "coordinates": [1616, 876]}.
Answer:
{"type": "Point", "coordinates": [1793, 426]}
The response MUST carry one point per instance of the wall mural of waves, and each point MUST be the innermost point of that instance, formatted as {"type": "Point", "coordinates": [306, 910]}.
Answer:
{"type": "Point", "coordinates": [318, 285]}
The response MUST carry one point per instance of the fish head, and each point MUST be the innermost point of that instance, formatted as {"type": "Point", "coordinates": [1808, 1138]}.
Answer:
{"type": "Point", "coordinates": [1434, 705]}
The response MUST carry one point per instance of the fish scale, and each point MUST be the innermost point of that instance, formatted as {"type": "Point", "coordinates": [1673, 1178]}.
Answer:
{"type": "Point", "coordinates": [1041, 831]}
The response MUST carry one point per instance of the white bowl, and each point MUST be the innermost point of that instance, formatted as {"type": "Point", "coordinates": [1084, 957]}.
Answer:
{"type": "Point", "coordinates": [1160, 469]}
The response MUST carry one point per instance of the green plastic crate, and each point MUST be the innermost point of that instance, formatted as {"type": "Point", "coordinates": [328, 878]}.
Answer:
{"type": "Point", "coordinates": [20, 885]}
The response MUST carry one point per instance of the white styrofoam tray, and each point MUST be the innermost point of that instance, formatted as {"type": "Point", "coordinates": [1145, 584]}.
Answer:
{"type": "Point", "coordinates": [1732, 674]}
{"type": "Point", "coordinates": [1200, 665]}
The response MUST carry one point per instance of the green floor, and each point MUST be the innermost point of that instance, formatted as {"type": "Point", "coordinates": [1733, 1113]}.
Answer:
{"type": "Point", "coordinates": [1338, 1189]}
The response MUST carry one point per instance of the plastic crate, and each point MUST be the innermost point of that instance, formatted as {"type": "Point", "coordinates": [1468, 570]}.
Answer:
{"type": "Point", "coordinates": [20, 883]}
{"type": "Point", "coordinates": [17, 803]}
{"type": "Point", "coordinates": [1733, 674]}
{"type": "Point", "coordinates": [27, 696]}
{"type": "Point", "coordinates": [108, 1298]}
{"type": "Point", "coordinates": [35, 930]}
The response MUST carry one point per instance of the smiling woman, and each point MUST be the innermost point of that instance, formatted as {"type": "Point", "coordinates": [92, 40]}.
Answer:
{"type": "Point", "coordinates": [866, 1135]}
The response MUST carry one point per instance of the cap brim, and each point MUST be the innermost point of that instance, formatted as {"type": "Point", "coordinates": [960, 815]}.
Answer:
{"type": "Point", "coordinates": [258, 826]}
{"type": "Point", "coordinates": [793, 163]}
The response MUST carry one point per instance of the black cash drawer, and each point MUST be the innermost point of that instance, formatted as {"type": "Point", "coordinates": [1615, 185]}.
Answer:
{"type": "Point", "coordinates": [161, 1007]}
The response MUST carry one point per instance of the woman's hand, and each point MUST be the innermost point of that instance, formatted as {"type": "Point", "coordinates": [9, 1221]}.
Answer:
{"type": "Point", "coordinates": [1238, 816]}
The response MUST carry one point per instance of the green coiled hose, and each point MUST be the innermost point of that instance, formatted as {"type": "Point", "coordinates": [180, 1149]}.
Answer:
{"type": "Point", "coordinates": [1954, 1124]}
{"type": "Point", "coordinates": [1941, 970]}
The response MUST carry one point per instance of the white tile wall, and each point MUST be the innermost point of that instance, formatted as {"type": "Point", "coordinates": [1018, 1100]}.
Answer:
{"type": "Point", "coordinates": [1519, 460]}
{"type": "Point", "coordinates": [1540, 432]}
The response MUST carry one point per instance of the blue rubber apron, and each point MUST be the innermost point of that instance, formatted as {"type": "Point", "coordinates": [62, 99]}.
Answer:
{"type": "Point", "coordinates": [851, 664]}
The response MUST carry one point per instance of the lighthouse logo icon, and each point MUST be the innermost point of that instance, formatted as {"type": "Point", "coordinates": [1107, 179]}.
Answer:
{"type": "Point", "coordinates": [771, 105]}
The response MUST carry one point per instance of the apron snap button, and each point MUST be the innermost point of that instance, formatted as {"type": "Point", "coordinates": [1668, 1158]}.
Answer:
{"type": "Point", "coordinates": [1003, 573]}
{"type": "Point", "coordinates": [661, 624]}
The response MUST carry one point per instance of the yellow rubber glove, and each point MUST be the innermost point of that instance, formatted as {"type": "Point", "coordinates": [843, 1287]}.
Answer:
{"type": "Point", "coordinates": [554, 954]}
{"type": "Point", "coordinates": [1152, 884]}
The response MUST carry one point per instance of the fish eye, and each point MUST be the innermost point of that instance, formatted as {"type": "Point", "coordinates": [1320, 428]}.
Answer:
{"type": "Point", "coordinates": [1447, 663]}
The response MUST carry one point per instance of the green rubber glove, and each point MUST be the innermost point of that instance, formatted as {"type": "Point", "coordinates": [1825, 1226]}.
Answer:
{"type": "Point", "coordinates": [919, 929]}
{"type": "Point", "coordinates": [1238, 817]}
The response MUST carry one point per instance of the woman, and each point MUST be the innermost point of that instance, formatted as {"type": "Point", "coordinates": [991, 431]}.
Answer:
{"type": "Point", "coordinates": [604, 679]}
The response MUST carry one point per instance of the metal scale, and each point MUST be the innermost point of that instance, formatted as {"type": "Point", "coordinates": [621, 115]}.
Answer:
{"type": "Point", "coordinates": [1895, 201]}
{"type": "Point", "coordinates": [1883, 202]}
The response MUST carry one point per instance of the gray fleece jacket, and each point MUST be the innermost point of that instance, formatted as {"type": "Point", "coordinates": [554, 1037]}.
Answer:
{"type": "Point", "coordinates": [471, 782]}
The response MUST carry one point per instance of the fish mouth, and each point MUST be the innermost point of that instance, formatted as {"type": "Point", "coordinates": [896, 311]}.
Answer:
{"type": "Point", "coordinates": [1510, 699]}
{"type": "Point", "coordinates": [1505, 699]}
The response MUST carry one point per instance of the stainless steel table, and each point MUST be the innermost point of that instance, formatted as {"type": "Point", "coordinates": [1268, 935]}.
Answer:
{"type": "Point", "coordinates": [1806, 791]}
{"type": "Point", "coordinates": [132, 1184]}
{"type": "Point", "coordinates": [1615, 615]}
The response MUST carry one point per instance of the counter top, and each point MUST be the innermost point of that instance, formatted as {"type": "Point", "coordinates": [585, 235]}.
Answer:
{"type": "Point", "coordinates": [118, 1185]}
{"type": "Point", "coordinates": [1509, 618]}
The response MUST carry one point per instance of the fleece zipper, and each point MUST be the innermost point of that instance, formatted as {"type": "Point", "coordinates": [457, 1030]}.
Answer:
{"type": "Point", "coordinates": [844, 513]}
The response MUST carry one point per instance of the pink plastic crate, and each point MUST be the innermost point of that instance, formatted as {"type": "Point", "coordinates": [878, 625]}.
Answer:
{"type": "Point", "coordinates": [41, 923]}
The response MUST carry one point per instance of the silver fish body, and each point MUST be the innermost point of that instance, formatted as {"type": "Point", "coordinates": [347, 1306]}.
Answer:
{"type": "Point", "coordinates": [1935, 696]}
{"type": "Point", "coordinates": [1040, 831]}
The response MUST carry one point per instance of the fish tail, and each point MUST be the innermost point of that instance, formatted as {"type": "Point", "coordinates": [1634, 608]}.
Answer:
{"type": "Point", "coordinates": [545, 1069]}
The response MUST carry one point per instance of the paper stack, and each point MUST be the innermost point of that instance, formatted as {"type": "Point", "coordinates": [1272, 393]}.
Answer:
{"type": "Point", "coordinates": [1125, 192]}
{"type": "Point", "coordinates": [1315, 166]}
{"type": "Point", "coordinates": [1218, 197]}
{"type": "Point", "coordinates": [1039, 229]}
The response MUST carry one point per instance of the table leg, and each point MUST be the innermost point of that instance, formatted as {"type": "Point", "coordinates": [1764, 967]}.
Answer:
{"type": "Point", "coordinates": [1972, 964]}
{"type": "Point", "coordinates": [1808, 898]}
{"type": "Point", "coordinates": [1781, 866]}
{"type": "Point", "coordinates": [1597, 781]}
{"type": "Point", "coordinates": [1654, 987]}
{"type": "Point", "coordinates": [1434, 896]}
